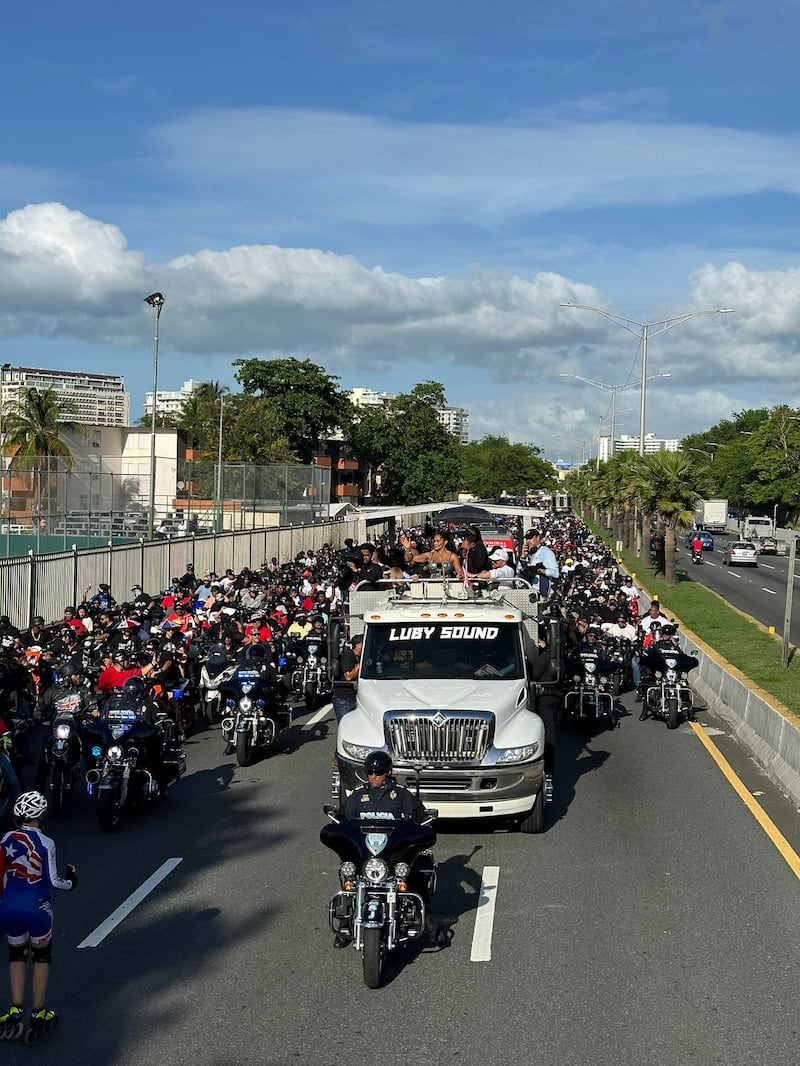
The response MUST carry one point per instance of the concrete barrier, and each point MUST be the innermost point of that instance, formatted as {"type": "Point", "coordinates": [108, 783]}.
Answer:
{"type": "Point", "coordinates": [759, 722]}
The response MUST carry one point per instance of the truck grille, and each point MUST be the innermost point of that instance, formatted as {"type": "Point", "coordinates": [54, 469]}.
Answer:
{"type": "Point", "coordinates": [439, 737]}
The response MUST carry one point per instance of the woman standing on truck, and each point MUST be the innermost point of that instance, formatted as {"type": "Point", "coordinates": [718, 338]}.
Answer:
{"type": "Point", "coordinates": [442, 559]}
{"type": "Point", "coordinates": [474, 555]}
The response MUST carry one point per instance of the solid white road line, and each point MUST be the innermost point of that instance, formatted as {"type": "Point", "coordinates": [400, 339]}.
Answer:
{"type": "Point", "coordinates": [772, 592]}
{"type": "Point", "coordinates": [320, 714]}
{"type": "Point", "coordinates": [484, 916]}
{"type": "Point", "coordinates": [133, 901]}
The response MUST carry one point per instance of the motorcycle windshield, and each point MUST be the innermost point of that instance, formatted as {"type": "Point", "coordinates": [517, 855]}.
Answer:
{"type": "Point", "coordinates": [348, 839]}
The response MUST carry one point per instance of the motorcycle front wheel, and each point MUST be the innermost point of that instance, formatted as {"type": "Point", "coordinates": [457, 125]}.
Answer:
{"type": "Point", "coordinates": [243, 748]}
{"type": "Point", "coordinates": [108, 809]}
{"type": "Point", "coordinates": [310, 697]}
{"type": "Point", "coordinates": [673, 713]}
{"type": "Point", "coordinates": [58, 788]}
{"type": "Point", "coordinates": [372, 957]}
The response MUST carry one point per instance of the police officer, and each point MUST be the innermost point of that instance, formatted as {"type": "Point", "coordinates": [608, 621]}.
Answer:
{"type": "Point", "coordinates": [381, 794]}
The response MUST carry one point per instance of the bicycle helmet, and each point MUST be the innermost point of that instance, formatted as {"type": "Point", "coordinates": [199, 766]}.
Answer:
{"type": "Point", "coordinates": [378, 762]}
{"type": "Point", "coordinates": [30, 805]}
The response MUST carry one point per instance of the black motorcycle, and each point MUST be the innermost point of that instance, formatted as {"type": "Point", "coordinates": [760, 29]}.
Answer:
{"type": "Point", "coordinates": [254, 712]}
{"type": "Point", "coordinates": [588, 698]}
{"type": "Point", "coordinates": [310, 678]}
{"type": "Point", "coordinates": [620, 652]}
{"type": "Point", "coordinates": [386, 876]}
{"type": "Point", "coordinates": [61, 762]}
{"type": "Point", "coordinates": [668, 695]}
{"type": "Point", "coordinates": [128, 752]}
{"type": "Point", "coordinates": [697, 555]}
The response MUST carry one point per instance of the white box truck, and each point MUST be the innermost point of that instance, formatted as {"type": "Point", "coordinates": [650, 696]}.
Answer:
{"type": "Point", "coordinates": [712, 515]}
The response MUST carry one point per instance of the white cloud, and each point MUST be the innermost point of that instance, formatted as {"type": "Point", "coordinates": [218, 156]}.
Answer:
{"type": "Point", "coordinates": [382, 171]}
{"type": "Point", "coordinates": [499, 342]}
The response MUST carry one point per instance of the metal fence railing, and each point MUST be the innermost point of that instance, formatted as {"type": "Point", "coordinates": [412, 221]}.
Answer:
{"type": "Point", "coordinates": [45, 584]}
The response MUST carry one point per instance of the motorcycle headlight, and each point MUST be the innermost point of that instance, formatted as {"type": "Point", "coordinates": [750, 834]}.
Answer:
{"type": "Point", "coordinates": [347, 871]}
{"type": "Point", "coordinates": [246, 704]}
{"type": "Point", "coordinates": [115, 753]}
{"type": "Point", "coordinates": [521, 754]}
{"type": "Point", "coordinates": [63, 731]}
{"type": "Point", "coordinates": [402, 870]}
{"type": "Point", "coordinates": [356, 751]}
{"type": "Point", "coordinates": [376, 870]}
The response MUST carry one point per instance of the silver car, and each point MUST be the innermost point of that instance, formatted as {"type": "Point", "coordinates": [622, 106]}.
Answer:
{"type": "Point", "coordinates": [741, 553]}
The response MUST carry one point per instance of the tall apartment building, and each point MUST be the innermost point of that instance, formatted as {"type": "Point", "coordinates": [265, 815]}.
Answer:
{"type": "Point", "coordinates": [627, 443]}
{"type": "Point", "coordinates": [456, 421]}
{"type": "Point", "coordinates": [171, 403]}
{"type": "Point", "coordinates": [94, 399]}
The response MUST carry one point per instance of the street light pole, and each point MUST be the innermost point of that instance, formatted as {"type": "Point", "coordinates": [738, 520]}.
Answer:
{"type": "Point", "coordinates": [613, 389]}
{"type": "Point", "coordinates": [219, 467]}
{"type": "Point", "coordinates": [156, 301]}
{"type": "Point", "coordinates": [643, 333]}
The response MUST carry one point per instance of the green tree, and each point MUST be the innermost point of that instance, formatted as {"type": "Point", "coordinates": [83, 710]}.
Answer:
{"type": "Point", "coordinates": [34, 428]}
{"type": "Point", "coordinates": [493, 465]}
{"type": "Point", "coordinates": [306, 402]}
{"type": "Point", "coordinates": [254, 433]}
{"type": "Point", "coordinates": [665, 485]}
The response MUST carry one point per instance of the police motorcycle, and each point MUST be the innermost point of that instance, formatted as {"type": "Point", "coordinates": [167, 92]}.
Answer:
{"type": "Point", "coordinates": [620, 652]}
{"type": "Point", "coordinates": [215, 669]}
{"type": "Point", "coordinates": [61, 761]}
{"type": "Point", "coordinates": [132, 762]}
{"type": "Point", "coordinates": [589, 694]}
{"type": "Point", "coordinates": [376, 904]}
{"type": "Point", "coordinates": [254, 712]}
{"type": "Point", "coordinates": [667, 694]}
{"type": "Point", "coordinates": [9, 779]}
{"type": "Point", "coordinates": [310, 677]}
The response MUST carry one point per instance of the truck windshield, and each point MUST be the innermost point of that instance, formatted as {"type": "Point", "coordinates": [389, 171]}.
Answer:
{"type": "Point", "coordinates": [490, 652]}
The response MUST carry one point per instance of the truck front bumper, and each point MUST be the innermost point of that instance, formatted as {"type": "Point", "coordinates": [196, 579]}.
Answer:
{"type": "Point", "coordinates": [463, 792]}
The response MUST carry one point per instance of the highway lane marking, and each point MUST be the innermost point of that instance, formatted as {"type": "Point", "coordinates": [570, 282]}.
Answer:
{"type": "Point", "coordinates": [767, 566]}
{"type": "Point", "coordinates": [772, 592]}
{"type": "Point", "coordinates": [130, 904]}
{"type": "Point", "coordinates": [317, 717]}
{"type": "Point", "coordinates": [484, 916]}
{"type": "Point", "coordinates": [787, 852]}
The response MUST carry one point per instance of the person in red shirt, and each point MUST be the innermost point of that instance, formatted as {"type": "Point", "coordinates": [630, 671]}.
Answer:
{"type": "Point", "coordinates": [115, 676]}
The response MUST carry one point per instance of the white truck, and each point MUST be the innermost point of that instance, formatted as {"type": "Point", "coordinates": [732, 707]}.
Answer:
{"type": "Point", "coordinates": [445, 688]}
{"type": "Point", "coordinates": [757, 526]}
{"type": "Point", "coordinates": [711, 515]}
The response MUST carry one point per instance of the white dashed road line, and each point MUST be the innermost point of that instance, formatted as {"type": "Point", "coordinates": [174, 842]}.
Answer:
{"type": "Point", "coordinates": [484, 916]}
{"type": "Point", "coordinates": [130, 904]}
{"type": "Point", "coordinates": [320, 714]}
{"type": "Point", "coordinates": [770, 591]}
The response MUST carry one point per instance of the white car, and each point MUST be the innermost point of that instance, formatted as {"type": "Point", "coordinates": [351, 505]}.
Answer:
{"type": "Point", "coordinates": [741, 553]}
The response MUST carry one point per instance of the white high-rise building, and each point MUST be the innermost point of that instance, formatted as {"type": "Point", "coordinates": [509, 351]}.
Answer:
{"type": "Point", "coordinates": [171, 403]}
{"type": "Point", "coordinates": [91, 399]}
{"type": "Point", "coordinates": [627, 443]}
{"type": "Point", "coordinates": [456, 421]}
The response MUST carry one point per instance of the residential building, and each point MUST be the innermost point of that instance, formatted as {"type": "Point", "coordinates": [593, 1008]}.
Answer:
{"type": "Point", "coordinates": [456, 421]}
{"type": "Point", "coordinates": [91, 399]}
{"type": "Point", "coordinates": [170, 403]}
{"type": "Point", "coordinates": [627, 443]}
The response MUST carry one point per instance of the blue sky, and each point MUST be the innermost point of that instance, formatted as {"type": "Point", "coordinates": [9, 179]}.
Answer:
{"type": "Point", "coordinates": [405, 192]}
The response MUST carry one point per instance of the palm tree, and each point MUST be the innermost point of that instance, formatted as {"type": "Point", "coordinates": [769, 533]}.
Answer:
{"type": "Point", "coordinates": [665, 484]}
{"type": "Point", "coordinates": [34, 427]}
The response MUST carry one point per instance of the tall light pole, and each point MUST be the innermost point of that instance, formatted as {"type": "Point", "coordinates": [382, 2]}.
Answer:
{"type": "Point", "coordinates": [613, 389]}
{"type": "Point", "coordinates": [219, 467]}
{"type": "Point", "coordinates": [3, 368]}
{"type": "Point", "coordinates": [156, 301]}
{"type": "Point", "coordinates": [702, 451]}
{"type": "Point", "coordinates": [643, 333]}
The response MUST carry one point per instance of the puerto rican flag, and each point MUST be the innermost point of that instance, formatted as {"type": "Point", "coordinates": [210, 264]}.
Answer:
{"type": "Point", "coordinates": [21, 859]}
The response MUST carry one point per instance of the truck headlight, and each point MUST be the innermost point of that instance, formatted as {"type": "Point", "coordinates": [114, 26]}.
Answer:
{"type": "Point", "coordinates": [356, 751]}
{"type": "Point", "coordinates": [524, 753]}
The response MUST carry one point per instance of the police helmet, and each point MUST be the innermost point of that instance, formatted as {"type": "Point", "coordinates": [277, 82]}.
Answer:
{"type": "Point", "coordinates": [30, 805]}
{"type": "Point", "coordinates": [668, 630]}
{"type": "Point", "coordinates": [378, 762]}
{"type": "Point", "coordinates": [37, 620]}
{"type": "Point", "coordinates": [134, 687]}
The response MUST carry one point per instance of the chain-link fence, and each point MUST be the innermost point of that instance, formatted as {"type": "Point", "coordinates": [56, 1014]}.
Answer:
{"type": "Point", "coordinates": [46, 507]}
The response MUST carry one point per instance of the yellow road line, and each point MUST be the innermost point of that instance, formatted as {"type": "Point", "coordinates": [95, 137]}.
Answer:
{"type": "Point", "coordinates": [775, 835]}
